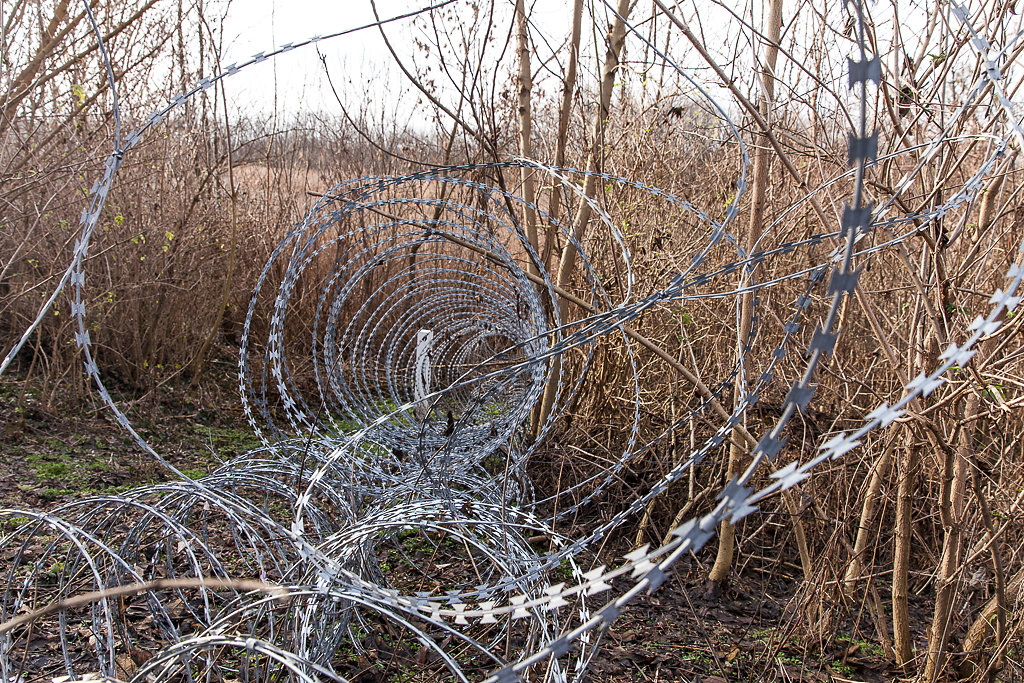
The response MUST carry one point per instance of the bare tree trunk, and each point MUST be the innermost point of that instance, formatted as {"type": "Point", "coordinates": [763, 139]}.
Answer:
{"type": "Point", "coordinates": [30, 79]}
{"type": "Point", "coordinates": [951, 511]}
{"type": "Point", "coordinates": [564, 112]}
{"type": "Point", "coordinates": [982, 628]}
{"type": "Point", "coordinates": [555, 198]}
{"type": "Point", "coordinates": [526, 131]}
{"type": "Point", "coordinates": [901, 556]}
{"type": "Point", "coordinates": [22, 83]}
{"type": "Point", "coordinates": [906, 493]}
{"type": "Point", "coordinates": [953, 491]}
{"type": "Point", "coordinates": [879, 473]}
{"type": "Point", "coordinates": [727, 534]}
{"type": "Point", "coordinates": [615, 40]}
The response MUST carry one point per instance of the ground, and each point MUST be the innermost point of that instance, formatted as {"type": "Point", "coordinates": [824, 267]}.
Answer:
{"type": "Point", "coordinates": [683, 632]}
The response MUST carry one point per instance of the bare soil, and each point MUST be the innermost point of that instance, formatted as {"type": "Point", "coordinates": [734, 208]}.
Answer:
{"type": "Point", "coordinates": [684, 632]}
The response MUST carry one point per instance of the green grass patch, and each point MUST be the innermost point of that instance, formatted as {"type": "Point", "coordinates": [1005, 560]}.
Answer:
{"type": "Point", "coordinates": [866, 646]}
{"type": "Point", "coordinates": [236, 439]}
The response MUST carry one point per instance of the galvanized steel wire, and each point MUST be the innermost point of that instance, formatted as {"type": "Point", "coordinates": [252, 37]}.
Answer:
{"type": "Point", "coordinates": [432, 332]}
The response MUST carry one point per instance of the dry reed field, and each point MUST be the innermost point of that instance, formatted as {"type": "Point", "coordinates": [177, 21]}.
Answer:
{"type": "Point", "coordinates": [649, 343]}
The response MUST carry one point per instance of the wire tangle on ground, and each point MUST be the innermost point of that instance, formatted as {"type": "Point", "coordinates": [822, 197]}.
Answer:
{"type": "Point", "coordinates": [433, 330]}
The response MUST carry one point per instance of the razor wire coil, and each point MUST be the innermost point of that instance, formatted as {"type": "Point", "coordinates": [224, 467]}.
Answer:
{"type": "Point", "coordinates": [378, 448]}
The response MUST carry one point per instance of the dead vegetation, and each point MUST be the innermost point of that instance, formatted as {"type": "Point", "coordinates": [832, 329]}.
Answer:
{"type": "Point", "coordinates": [909, 546]}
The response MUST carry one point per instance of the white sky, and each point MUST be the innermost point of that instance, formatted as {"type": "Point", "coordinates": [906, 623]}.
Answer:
{"type": "Point", "coordinates": [358, 62]}
{"type": "Point", "coordinates": [367, 78]}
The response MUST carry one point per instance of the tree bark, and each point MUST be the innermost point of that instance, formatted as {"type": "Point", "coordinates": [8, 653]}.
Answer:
{"type": "Point", "coordinates": [727, 534]}
{"type": "Point", "coordinates": [906, 492]}
{"type": "Point", "coordinates": [879, 474]}
{"type": "Point", "coordinates": [564, 111]}
{"type": "Point", "coordinates": [22, 83]}
{"type": "Point", "coordinates": [615, 40]}
{"type": "Point", "coordinates": [526, 131]}
{"type": "Point", "coordinates": [951, 511]}
{"type": "Point", "coordinates": [982, 628]}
